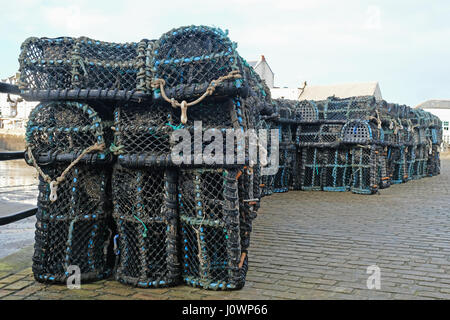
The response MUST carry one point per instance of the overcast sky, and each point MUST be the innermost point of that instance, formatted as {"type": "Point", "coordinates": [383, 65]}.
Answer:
{"type": "Point", "coordinates": [405, 45]}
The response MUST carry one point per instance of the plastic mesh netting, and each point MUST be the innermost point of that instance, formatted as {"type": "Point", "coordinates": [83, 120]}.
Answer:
{"type": "Point", "coordinates": [76, 229]}
{"type": "Point", "coordinates": [210, 229]}
{"type": "Point", "coordinates": [335, 136]}
{"type": "Point", "coordinates": [146, 216]}
{"type": "Point", "coordinates": [189, 58]}
{"type": "Point", "coordinates": [57, 130]}
{"type": "Point", "coordinates": [81, 63]}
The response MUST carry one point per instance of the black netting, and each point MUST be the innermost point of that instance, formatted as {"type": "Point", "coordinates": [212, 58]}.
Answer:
{"type": "Point", "coordinates": [284, 179]}
{"type": "Point", "coordinates": [307, 111]}
{"type": "Point", "coordinates": [337, 169]}
{"type": "Point", "coordinates": [145, 212]}
{"type": "Point", "coordinates": [143, 129]}
{"type": "Point", "coordinates": [327, 134]}
{"type": "Point", "coordinates": [76, 229]}
{"type": "Point", "coordinates": [434, 163]}
{"type": "Point", "coordinates": [400, 167]}
{"type": "Point", "coordinates": [384, 165]}
{"type": "Point", "coordinates": [357, 169]}
{"type": "Point", "coordinates": [189, 58]}
{"type": "Point", "coordinates": [312, 165]}
{"type": "Point", "coordinates": [210, 229]}
{"type": "Point", "coordinates": [83, 63]}
{"type": "Point", "coordinates": [359, 132]}
{"type": "Point", "coordinates": [249, 197]}
{"type": "Point", "coordinates": [143, 133]}
{"type": "Point", "coordinates": [65, 128]}
{"type": "Point", "coordinates": [365, 176]}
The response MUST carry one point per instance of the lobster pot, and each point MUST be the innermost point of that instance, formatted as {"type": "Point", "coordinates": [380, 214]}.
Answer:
{"type": "Point", "coordinates": [402, 136]}
{"type": "Point", "coordinates": [307, 111]}
{"type": "Point", "coordinates": [391, 137]}
{"type": "Point", "coordinates": [283, 180]}
{"type": "Point", "coordinates": [268, 172]}
{"type": "Point", "coordinates": [318, 134]}
{"type": "Point", "coordinates": [312, 165]}
{"type": "Point", "coordinates": [146, 216]}
{"type": "Point", "coordinates": [249, 202]}
{"type": "Point", "coordinates": [153, 135]}
{"type": "Point", "coordinates": [353, 108]}
{"type": "Point", "coordinates": [384, 166]}
{"type": "Point", "coordinates": [336, 169]}
{"type": "Point", "coordinates": [143, 130]}
{"type": "Point", "coordinates": [362, 132]}
{"type": "Point", "coordinates": [210, 229]}
{"type": "Point", "coordinates": [295, 183]}
{"type": "Point", "coordinates": [399, 165]}
{"type": "Point", "coordinates": [285, 132]}
{"type": "Point", "coordinates": [420, 165]}
{"type": "Point", "coordinates": [410, 154]}
{"type": "Point", "coordinates": [75, 230]}
{"type": "Point", "coordinates": [267, 182]}
{"type": "Point", "coordinates": [436, 135]}
{"type": "Point", "coordinates": [364, 163]}
{"type": "Point", "coordinates": [434, 163]}
{"type": "Point", "coordinates": [189, 58]}
{"type": "Point", "coordinates": [83, 63]}
{"type": "Point", "coordinates": [57, 131]}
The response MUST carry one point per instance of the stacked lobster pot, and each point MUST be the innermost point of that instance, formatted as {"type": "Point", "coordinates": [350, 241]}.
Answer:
{"type": "Point", "coordinates": [323, 165]}
{"type": "Point", "coordinates": [341, 145]}
{"type": "Point", "coordinates": [107, 141]}
{"type": "Point", "coordinates": [434, 134]}
{"type": "Point", "coordinates": [286, 121]}
{"type": "Point", "coordinates": [68, 141]}
{"type": "Point", "coordinates": [216, 96]}
{"type": "Point", "coordinates": [362, 145]}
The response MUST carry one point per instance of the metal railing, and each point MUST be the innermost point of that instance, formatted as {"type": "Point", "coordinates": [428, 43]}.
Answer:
{"type": "Point", "coordinates": [15, 155]}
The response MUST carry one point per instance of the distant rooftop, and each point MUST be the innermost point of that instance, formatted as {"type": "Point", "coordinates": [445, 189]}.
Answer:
{"type": "Point", "coordinates": [343, 90]}
{"type": "Point", "coordinates": [434, 104]}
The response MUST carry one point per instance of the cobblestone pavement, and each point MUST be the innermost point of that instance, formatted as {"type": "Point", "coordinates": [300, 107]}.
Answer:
{"type": "Point", "coordinates": [312, 245]}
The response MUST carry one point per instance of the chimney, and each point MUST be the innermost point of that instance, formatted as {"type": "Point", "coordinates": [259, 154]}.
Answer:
{"type": "Point", "coordinates": [263, 58]}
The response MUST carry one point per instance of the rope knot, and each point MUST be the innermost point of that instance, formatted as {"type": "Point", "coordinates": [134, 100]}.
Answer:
{"type": "Point", "coordinates": [160, 83]}
{"type": "Point", "coordinates": [157, 83]}
{"type": "Point", "coordinates": [54, 183]}
{"type": "Point", "coordinates": [173, 102]}
{"type": "Point", "coordinates": [184, 106]}
{"type": "Point", "coordinates": [53, 188]}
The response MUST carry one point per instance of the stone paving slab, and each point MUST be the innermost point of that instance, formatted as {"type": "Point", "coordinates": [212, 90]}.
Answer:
{"type": "Point", "coordinates": [311, 245]}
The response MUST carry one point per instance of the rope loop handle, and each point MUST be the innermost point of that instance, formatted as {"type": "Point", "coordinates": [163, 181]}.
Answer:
{"type": "Point", "coordinates": [55, 182]}
{"type": "Point", "coordinates": [160, 83]}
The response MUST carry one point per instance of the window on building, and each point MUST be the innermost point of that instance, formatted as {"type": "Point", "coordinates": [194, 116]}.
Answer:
{"type": "Point", "coordinates": [445, 125]}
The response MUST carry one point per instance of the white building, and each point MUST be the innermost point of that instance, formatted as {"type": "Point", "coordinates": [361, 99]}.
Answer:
{"type": "Point", "coordinates": [440, 108]}
{"type": "Point", "coordinates": [14, 111]}
{"type": "Point", "coordinates": [315, 92]}
{"type": "Point", "coordinates": [263, 69]}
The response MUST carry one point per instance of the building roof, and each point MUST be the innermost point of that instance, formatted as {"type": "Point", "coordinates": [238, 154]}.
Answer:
{"type": "Point", "coordinates": [434, 104]}
{"type": "Point", "coordinates": [252, 63]}
{"type": "Point", "coordinates": [343, 90]}
{"type": "Point", "coordinates": [262, 59]}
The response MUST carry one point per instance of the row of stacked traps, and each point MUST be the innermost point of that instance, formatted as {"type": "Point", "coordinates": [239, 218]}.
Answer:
{"type": "Point", "coordinates": [113, 198]}
{"type": "Point", "coordinates": [357, 144]}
